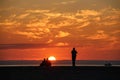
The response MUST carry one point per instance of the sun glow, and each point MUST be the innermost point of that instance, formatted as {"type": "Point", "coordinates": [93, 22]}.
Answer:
{"type": "Point", "coordinates": [52, 58]}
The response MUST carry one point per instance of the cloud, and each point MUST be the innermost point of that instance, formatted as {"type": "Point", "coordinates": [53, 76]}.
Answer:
{"type": "Point", "coordinates": [8, 22]}
{"type": "Point", "coordinates": [28, 34]}
{"type": "Point", "coordinates": [116, 32]}
{"type": "Point", "coordinates": [33, 32]}
{"type": "Point", "coordinates": [100, 35]}
{"type": "Point", "coordinates": [86, 13]}
{"type": "Point", "coordinates": [22, 16]}
{"type": "Point", "coordinates": [110, 17]}
{"type": "Point", "coordinates": [53, 14]}
{"type": "Point", "coordinates": [61, 44]}
{"type": "Point", "coordinates": [84, 24]}
{"type": "Point", "coordinates": [62, 34]}
{"type": "Point", "coordinates": [65, 2]}
{"type": "Point", "coordinates": [40, 30]}
{"type": "Point", "coordinates": [21, 46]}
{"type": "Point", "coordinates": [38, 23]}
{"type": "Point", "coordinates": [43, 24]}
{"type": "Point", "coordinates": [49, 41]}
{"type": "Point", "coordinates": [110, 23]}
{"type": "Point", "coordinates": [13, 16]}
{"type": "Point", "coordinates": [37, 11]}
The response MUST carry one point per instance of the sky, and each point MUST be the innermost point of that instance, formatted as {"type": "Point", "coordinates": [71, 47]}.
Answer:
{"type": "Point", "coordinates": [37, 29]}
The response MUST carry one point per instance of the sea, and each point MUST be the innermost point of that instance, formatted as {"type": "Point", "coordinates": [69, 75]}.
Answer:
{"type": "Point", "coordinates": [58, 63]}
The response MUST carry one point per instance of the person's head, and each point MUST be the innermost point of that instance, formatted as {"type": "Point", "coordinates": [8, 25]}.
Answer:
{"type": "Point", "coordinates": [44, 59]}
{"type": "Point", "coordinates": [73, 48]}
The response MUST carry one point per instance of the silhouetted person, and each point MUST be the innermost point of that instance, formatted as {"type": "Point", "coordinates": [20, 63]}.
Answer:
{"type": "Point", "coordinates": [45, 63]}
{"type": "Point", "coordinates": [74, 52]}
{"type": "Point", "coordinates": [48, 63]}
{"type": "Point", "coordinates": [108, 64]}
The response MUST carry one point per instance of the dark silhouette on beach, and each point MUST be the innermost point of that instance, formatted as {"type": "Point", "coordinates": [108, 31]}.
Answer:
{"type": "Point", "coordinates": [60, 73]}
{"type": "Point", "coordinates": [45, 63]}
{"type": "Point", "coordinates": [73, 52]}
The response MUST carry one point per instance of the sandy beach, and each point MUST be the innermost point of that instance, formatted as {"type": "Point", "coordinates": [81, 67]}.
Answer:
{"type": "Point", "coordinates": [60, 73]}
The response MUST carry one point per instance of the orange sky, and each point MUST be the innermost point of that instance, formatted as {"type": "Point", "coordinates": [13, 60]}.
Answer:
{"type": "Point", "coordinates": [37, 29]}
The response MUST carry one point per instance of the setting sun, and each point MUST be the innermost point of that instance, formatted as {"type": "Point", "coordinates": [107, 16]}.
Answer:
{"type": "Point", "coordinates": [52, 58]}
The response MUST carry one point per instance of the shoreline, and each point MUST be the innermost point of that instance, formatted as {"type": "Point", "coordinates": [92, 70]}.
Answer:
{"type": "Point", "coordinates": [58, 65]}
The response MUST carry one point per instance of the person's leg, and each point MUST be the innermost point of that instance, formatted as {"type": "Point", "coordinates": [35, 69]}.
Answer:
{"type": "Point", "coordinates": [73, 61]}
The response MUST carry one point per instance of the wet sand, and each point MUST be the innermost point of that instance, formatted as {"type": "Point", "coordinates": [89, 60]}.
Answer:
{"type": "Point", "coordinates": [60, 73]}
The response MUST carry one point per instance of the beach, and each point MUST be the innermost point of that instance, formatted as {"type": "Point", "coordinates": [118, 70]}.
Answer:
{"type": "Point", "coordinates": [60, 73]}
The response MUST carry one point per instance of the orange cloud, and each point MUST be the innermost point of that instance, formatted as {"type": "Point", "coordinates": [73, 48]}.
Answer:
{"type": "Point", "coordinates": [28, 34]}
{"type": "Point", "coordinates": [84, 24]}
{"type": "Point", "coordinates": [100, 35]}
{"type": "Point", "coordinates": [23, 16]}
{"type": "Point", "coordinates": [8, 22]}
{"type": "Point", "coordinates": [38, 23]}
{"type": "Point", "coordinates": [86, 13]}
{"type": "Point", "coordinates": [61, 44]}
{"type": "Point", "coordinates": [49, 41]}
{"type": "Point", "coordinates": [37, 11]}
{"type": "Point", "coordinates": [65, 2]}
{"type": "Point", "coordinates": [62, 34]}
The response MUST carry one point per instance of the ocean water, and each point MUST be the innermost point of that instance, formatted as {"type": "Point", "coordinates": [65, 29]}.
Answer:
{"type": "Point", "coordinates": [58, 63]}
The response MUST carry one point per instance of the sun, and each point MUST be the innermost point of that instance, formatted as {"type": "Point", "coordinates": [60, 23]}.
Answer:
{"type": "Point", "coordinates": [52, 58]}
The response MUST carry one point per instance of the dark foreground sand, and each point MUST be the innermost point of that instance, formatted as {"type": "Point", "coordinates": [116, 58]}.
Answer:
{"type": "Point", "coordinates": [60, 73]}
